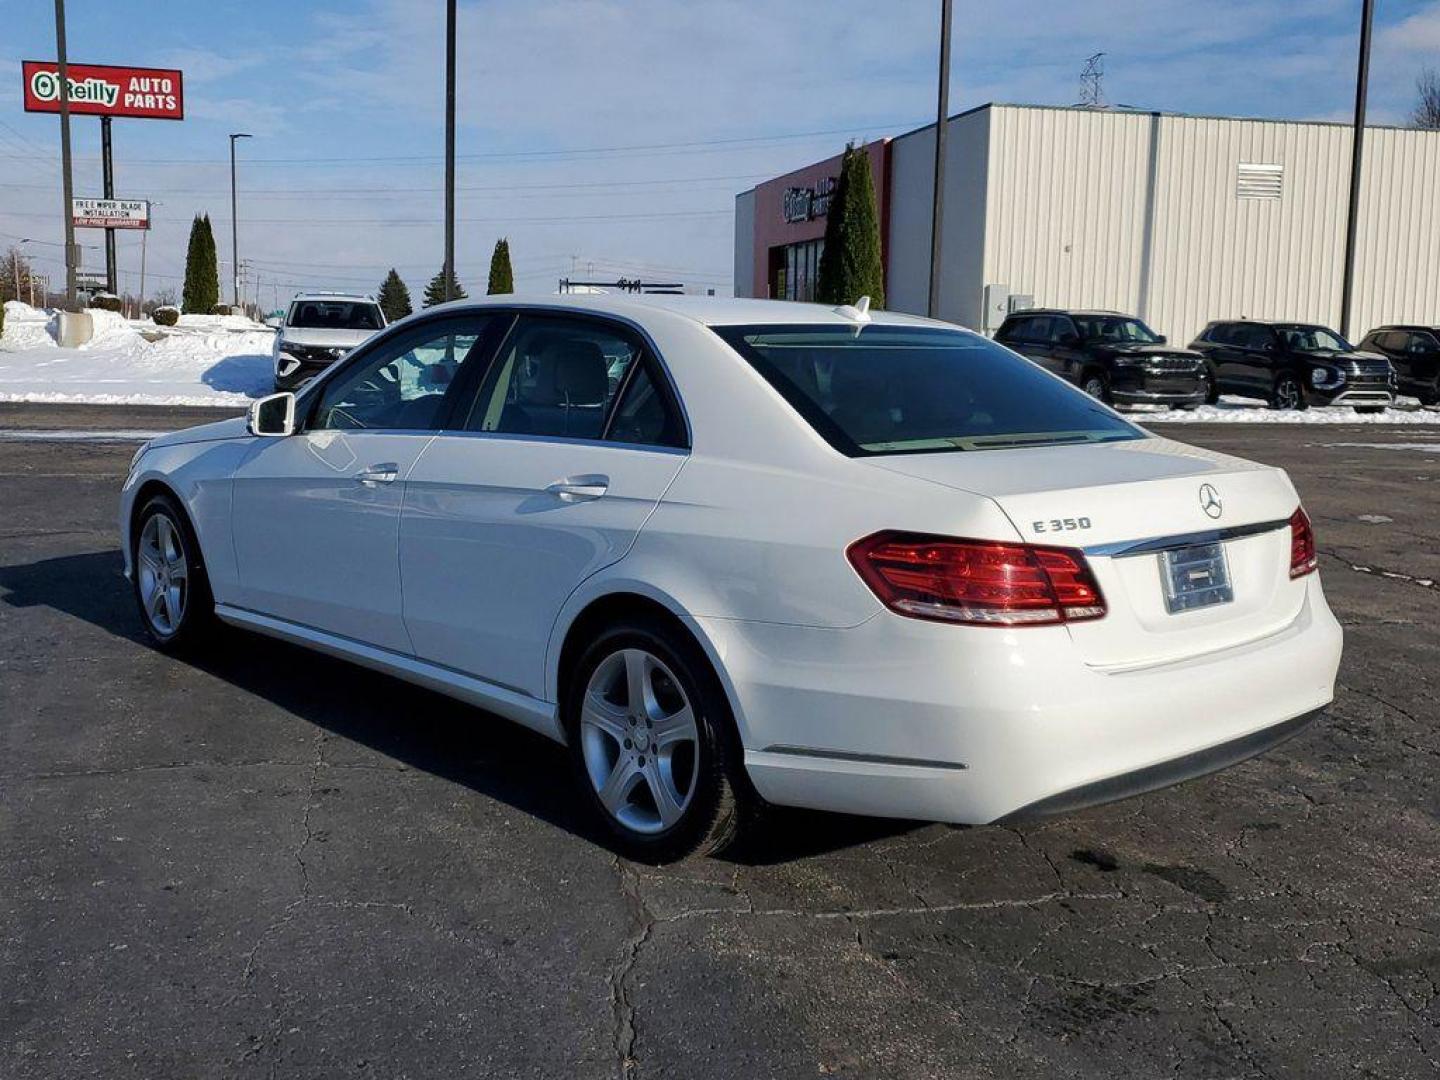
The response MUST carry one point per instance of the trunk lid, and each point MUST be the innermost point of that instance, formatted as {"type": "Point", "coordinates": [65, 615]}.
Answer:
{"type": "Point", "coordinates": [1115, 501]}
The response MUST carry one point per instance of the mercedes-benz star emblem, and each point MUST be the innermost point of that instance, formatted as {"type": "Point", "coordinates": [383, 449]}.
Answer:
{"type": "Point", "coordinates": [1210, 501]}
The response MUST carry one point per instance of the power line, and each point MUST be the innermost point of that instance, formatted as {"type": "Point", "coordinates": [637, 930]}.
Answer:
{"type": "Point", "coordinates": [323, 223]}
{"type": "Point", "coordinates": [703, 145]}
{"type": "Point", "coordinates": [679, 181]}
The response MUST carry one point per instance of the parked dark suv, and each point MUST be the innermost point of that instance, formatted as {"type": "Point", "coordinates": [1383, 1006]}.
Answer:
{"type": "Point", "coordinates": [1414, 352]}
{"type": "Point", "coordinates": [1113, 357]}
{"type": "Point", "coordinates": [1293, 366]}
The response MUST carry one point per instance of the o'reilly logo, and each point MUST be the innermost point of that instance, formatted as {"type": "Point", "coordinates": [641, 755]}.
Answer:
{"type": "Point", "coordinates": [45, 85]}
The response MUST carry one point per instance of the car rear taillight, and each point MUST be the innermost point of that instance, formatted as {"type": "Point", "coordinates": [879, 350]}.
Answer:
{"type": "Point", "coordinates": [1303, 558]}
{"type": "Point", "coordinates": [978, 582]}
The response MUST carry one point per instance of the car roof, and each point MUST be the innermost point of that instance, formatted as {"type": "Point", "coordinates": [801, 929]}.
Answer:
{"type": "Point", "coordinates": [1070, 311]}
{"type": "Point", "coordinates": [705, 310]}
{"type": "Point", "coordinates": [1406, 326]}
{"type": "Point", "coordinates": [333, 297]}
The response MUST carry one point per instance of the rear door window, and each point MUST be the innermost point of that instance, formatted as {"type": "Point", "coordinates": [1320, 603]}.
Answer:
{"type": "Point", "coordinates": [564, 377]}
{"type": "Point", "coordinates": [902, 390]}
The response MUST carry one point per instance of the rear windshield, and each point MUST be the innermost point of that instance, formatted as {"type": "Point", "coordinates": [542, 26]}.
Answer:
{"type": "Point", "coordinates": [908, 390]}
{"type": "Point", "coordinates": [335, 315]}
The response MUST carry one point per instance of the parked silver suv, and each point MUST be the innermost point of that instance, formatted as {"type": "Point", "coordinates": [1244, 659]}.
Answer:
{"type": "Point", "coordinates": [319, 329]}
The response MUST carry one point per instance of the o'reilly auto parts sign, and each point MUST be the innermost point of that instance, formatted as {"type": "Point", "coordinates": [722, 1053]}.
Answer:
{"type": "Point", "coordinates": [110, 213]}
{"type": "Point", "coordinates": [103, 90]}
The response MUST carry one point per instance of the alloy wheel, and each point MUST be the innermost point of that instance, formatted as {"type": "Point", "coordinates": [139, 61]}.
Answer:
{"type": "Point", "coordinates": [1095, 387]}
{"type": "Point", "coordinates": [639, 741]}
{"type": "Point", "coordinates": [164, 574]}
{"type": "Point", "coordinates": [1287, 393]}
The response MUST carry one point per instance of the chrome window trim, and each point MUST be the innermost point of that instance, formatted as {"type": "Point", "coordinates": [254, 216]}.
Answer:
{"type": "Point", "coordinates": [562, 440]}
{"type": "Point", "coordinates": [1129, 548]}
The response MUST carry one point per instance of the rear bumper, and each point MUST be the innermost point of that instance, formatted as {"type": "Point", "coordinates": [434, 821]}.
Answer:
{"type": "Point", "coordinates": [897, 718]}
{"type": "Point", "coordinates": [1165, 774]}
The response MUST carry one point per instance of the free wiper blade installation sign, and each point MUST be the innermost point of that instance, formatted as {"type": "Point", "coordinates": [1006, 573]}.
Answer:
{"type": "Point", "coordinates": [104, 90]}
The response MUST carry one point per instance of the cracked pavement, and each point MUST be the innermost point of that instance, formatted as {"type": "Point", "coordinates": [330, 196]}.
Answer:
{"type": "Point", "coordinates": [269, 863]}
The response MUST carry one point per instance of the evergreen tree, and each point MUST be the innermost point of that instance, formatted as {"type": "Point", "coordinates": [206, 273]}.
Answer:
{"type": "Point", "coordinates": [394, 297]}
{"type": "Point", "coordinates": [850, 265]}
{"type": "Point", "coordinates": [435, 291]}
{"type": "Point", "coordinates": [202, 269]}
{"type": "Point", "coordinates": [502, 278]}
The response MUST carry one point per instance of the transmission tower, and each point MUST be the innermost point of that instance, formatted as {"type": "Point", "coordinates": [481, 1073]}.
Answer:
{"type": "Point", "coordinates": [1092, 83]}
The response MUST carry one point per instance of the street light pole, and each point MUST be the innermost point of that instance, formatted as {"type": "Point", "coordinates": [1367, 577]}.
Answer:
{"type": "Point", "coordinates": [145, 235]}
{"type": "Point", "coordinates": [1357, 151]}
{"type": "Point", "coordinates": [234, 227]}
{"type": "Point", "coordinates": [72, 253]}
{"type": "Point", "coordinates": [937, 218]}
{"type": "Point", "coordinates": [450, 150]}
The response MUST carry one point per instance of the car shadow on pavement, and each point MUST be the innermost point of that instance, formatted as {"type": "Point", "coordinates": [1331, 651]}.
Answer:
{"type": "Point", "coordinates": [416, 727]}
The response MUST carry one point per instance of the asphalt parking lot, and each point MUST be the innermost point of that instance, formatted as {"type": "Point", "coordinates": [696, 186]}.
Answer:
{"type": "Point", "coordinates": [269, 863]}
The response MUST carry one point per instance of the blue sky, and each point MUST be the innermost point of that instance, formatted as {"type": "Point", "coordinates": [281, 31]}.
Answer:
{"type": "Point", "coordinates": [610, 135]}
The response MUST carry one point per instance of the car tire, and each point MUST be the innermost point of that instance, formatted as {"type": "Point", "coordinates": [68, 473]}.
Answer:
{"type": "Point", "coordinates": [1430, 395]}
{"type": "Point", "coordinates": [1369, 409]}
{"type": "Point", "coordinates": [1212, 387]}
{"type": "Point", "coordinates": [658, 802]}
{"type": "Point", "coordinates": [1096, 385]}
{"type": "Point", "coordinates": [1288, 394]}
{"type": "Point", "coordinates": [168, 578]}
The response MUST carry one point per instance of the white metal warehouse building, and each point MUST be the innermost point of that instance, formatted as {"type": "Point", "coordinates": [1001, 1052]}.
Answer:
{"type": "Point", "coordinates": [1178, 219]}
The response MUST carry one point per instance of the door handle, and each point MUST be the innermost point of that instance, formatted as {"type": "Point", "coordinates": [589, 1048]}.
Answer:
{"type": "Point", "coordinates": [379, 474]}
{"type": "Point", "coordinates": [579, 488]}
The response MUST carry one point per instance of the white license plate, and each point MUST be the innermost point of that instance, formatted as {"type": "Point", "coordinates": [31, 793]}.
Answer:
{"type": "Point", "coordinates": [1195, 577]}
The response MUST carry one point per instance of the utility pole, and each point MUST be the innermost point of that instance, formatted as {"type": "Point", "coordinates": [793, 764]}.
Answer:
{"type": "Point", "coordinates": [107, 165]}
{"type": "Point", "coordinates": [72, 253]}
{"type": "Point", "coordinates": [450, 149]}
{"type": "Point", "coordinates": [144, 236]}
{"type": "Point", "coordinates": [15, 258]}
{"type": "Point", "coordinates": [1362, 85]}
{"type": "Point", "coordinates": [942, 110]}
{"type": "Point", "coordinates": [234, 227]}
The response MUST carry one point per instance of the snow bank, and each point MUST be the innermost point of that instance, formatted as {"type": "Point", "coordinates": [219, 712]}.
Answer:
{"type": "Point", "coordinates": [111, 330]}
{"type": "Point", "coordinates": [209, 323]}
{"type": "Point", "coordinates": [207, 364]}
{"type": "Point", "coordinates": [1239, 410]}
{"type": "Point", "coordinates": [26, 327]}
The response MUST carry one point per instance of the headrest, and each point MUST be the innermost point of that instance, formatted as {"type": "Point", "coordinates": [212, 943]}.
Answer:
{"type": "Point", "coordinates": [580, 372]}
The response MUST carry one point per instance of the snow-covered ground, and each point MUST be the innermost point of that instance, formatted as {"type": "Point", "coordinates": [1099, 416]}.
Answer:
{"type": "Point", "coordinates": [204, 360]}
{"type": "Point", "coordinates": [1239, 410]}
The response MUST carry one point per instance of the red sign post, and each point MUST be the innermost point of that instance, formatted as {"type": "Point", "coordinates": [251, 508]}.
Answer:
{"type": "Point", "coordinates": [102, 90]}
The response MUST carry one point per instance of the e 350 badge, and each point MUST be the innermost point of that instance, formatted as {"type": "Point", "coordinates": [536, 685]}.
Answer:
{"type": "Point", "coordinates": [1055, 525]}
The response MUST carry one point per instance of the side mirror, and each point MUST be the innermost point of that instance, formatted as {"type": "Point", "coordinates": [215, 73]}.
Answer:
{"type": "Point", "coordinates": [1069, 338]}
{"type": "Point", "coordinates": [275, 322]}
{"type": "Point", "coordinates": [1161, 339]}
{"type": "Point", "coordinates": [274, 416]}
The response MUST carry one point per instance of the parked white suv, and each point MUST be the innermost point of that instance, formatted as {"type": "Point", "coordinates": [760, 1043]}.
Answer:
{"type": "Point", "coordinates": [734, 551]}
{"type": "Point", "coordinates": [319, 329]}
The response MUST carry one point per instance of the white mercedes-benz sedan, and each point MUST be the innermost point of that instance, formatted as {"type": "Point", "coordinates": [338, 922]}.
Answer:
{"type": "Point", "coordinates": [738, 552]}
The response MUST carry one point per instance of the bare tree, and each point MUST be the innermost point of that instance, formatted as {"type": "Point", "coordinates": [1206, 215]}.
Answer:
{"type": "Point", "coordinates": [17, 281]}
{"type": "Point", "coordinates": [1427, 109]}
